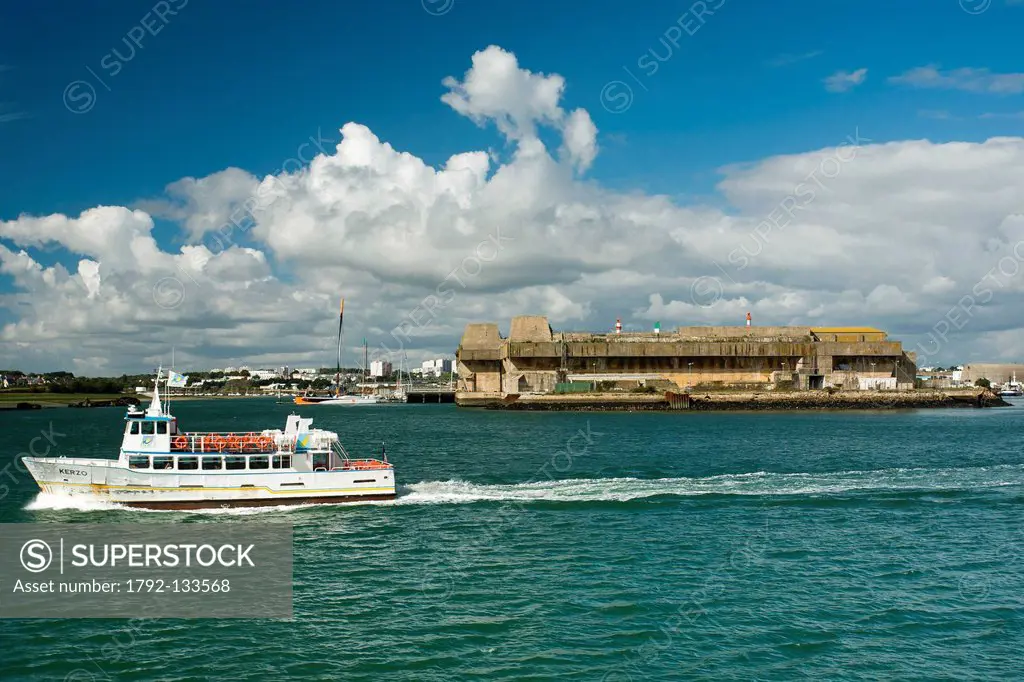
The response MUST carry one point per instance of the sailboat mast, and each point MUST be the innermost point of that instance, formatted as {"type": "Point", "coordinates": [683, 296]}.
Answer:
{"type": "Point", "coordinates": [337, 374]}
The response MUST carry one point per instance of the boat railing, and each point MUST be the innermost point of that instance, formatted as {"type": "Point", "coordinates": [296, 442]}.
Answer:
{"type": "Point", "coordinates": [83, 461]}
{"type": "Point", "coordinates": [365, 465]}
{"type": "Point", "coordinates": [350, 464]}
{"type": "Point", "coordinates": [253, 443]}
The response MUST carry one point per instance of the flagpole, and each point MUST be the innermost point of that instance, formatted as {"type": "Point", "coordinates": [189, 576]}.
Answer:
{"type": "Point", "coordinates": [167, 410]}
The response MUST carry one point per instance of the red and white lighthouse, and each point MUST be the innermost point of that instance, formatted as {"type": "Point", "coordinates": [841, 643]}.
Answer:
{"type": "Point", "coordinates": [618, 326]}
{"type": "Point", "coordinates": [748, 319]}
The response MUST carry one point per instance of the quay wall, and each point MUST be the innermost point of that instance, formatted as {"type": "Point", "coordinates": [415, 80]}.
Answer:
{"type": "Point", "coordinates": [735, 401]}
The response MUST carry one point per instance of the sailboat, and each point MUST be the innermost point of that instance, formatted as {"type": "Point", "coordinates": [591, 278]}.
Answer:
{"type": "Point", "coordinates": [338, 398]}
{"type": "Point", "coordinates": [399, 394]}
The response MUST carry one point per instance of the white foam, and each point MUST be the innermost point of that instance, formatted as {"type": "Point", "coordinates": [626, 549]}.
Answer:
{"type": "Point", "coordinates": [54, 501]}
{"type": "Point", "coordinates": [755, 483]}
{"type": "Point", "coordinates": [86, 503]}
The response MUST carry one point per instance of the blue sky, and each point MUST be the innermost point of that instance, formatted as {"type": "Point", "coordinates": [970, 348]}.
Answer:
{"type": "Point", "coordinates": [227, 84]}
{"type": "Point", "coordinates": [220, 85]}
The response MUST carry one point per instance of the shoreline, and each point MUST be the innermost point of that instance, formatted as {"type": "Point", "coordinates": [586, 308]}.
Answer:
{"type": "Point", "coordinates": [742, 401]}
{"type": "Point", "coordinates": [48, 400]}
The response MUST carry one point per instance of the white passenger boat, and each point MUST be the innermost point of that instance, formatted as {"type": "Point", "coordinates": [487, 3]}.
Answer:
{"type": "Point", "coordinates": [162, 467]}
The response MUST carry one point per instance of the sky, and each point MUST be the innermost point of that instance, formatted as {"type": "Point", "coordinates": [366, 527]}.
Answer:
{"type": "Point", "coordinates": [213, 177]}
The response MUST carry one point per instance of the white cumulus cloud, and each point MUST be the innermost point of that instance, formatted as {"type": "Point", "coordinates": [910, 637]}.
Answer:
{"type": "Point", "coordinates": [894, 235]}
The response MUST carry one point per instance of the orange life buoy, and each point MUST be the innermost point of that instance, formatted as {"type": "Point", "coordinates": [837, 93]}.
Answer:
{"type": "Point", "coordinates": [180, 442]}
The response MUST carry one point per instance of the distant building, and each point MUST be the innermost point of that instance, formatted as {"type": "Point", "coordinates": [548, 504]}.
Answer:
{"type": "Point", "coordinates": [997, 374]}
{"type": "Point", "coordinates": [436, 367]}
{"type": "Point", "coordinates": [380, 368]}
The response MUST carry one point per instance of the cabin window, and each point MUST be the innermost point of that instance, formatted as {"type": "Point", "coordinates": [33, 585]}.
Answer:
{"type": "Point", "coordinates": [234, 462]}
{"type": "Point", "coordinates": [148, 428]}
{"type": "Point", "coordinates": [188, 463]}
{"type": "Point", "coordinates": [163, 462]}
{"type": "Point", "coordinates": [259, 463]}
{"type": "Point", "coordinates": [138, 462]}
{"type": "Point", "coordinates": [135, 429]}
{"type": "Point", "coordinates": [212, 463]}
{"type": "Point", "coordinates": [282, 461]}
{"type": "Point", "coordinates": [320, 460]}
{"type": "Point", "coordinates": [161, 428]}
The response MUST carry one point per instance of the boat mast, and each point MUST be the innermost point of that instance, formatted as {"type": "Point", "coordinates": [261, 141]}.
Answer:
{"type": "Point", "coordinates": [337, 375]}
{"type": "Point", "coordinates": [398, 386]}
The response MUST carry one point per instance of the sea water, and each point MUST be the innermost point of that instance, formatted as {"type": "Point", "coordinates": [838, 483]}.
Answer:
{"type": "Point", "coordinates": [590, 546]}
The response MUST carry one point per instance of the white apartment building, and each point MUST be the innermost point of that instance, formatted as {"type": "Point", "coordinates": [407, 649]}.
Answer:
{"type": "Point", "coordinates": [436, 367]}
{"type": "Point", "coordinates": [380, 368]}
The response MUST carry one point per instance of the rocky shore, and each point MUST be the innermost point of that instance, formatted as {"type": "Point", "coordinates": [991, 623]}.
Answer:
{"type": "Point", "coordinates": [759, 401]}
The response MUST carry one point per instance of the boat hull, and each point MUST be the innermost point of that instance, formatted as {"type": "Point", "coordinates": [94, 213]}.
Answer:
{"type": "Point", "coordinates": [106, 481]}
{"type": "Point", "coordinates": [341, 400]}
{"type": "Point", "coordinates": [184, 505]}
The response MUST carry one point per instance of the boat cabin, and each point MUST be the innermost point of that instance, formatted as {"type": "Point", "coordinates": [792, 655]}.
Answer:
{"type": "Point", "coordinates": [153, 442]}
{"type": "Point", "coordinates": [148, 434]}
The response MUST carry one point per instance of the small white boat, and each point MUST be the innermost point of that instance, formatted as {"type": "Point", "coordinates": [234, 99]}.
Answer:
{"type": "Point", "coordinates": [341, 399]}
{"type": "Point", "coordinates": [1012, 388]}
{"type": "Point", "coordinates": [161, 467]}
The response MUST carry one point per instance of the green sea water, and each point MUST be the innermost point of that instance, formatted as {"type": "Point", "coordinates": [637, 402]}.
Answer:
{"type": "Point", "coordinates": [590, 546]}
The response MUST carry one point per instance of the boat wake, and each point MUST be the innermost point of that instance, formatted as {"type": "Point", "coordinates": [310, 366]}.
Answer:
{"type": "Point", "coordinates": [757, 483]}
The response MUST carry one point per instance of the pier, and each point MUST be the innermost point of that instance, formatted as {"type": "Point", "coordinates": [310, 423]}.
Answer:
{"type": "Point", "coordinates": [430, 395]}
